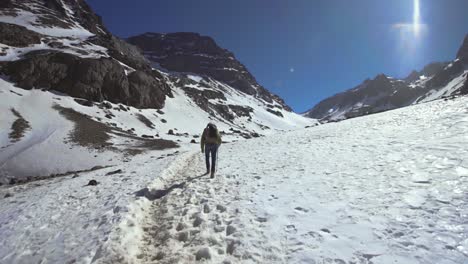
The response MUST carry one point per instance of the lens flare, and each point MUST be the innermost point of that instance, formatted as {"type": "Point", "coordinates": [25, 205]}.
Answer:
{"type": "Point", "coordinates": [416, 18]}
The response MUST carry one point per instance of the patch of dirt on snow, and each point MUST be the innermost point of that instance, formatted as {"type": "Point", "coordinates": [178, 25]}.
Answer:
{"type": "Point", "coordinates": [87, 132]}
{"type": "Point", "coordinates": [140, 145]}
{"type": "Point", "coordinates": [145, 120]}
{"type": "Point", "coordinates": [19, 127]}
{"type": "Point", "coordinates": [93, 134]}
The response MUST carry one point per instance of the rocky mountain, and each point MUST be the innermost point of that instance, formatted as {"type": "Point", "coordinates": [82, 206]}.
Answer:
{"type": "Point", "coordinates": [63, 46]}
{"type": "Point", "coordinates": [68, 84]}
{"type": "Point", "coordinates": [193, 53]}
{"type": "Point", "coordinates": [435, 81]}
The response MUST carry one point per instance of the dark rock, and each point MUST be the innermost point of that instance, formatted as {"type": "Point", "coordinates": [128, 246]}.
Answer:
{"type": "Point", "coordinates": [163, 120]}
{"type": "Point", "coordinates": [193, 141]}
{"type": "Point", "coordinates": [277, 113]}
{"type": "Point", "coordinates": [8, 195]}
{"type": "Point", "coordinates": [203, 253]}
{"type": "Point", "coordinates": [146, 91]}
{"type": "Point", "coordinates": [92, 183]}
{"type": "Point", "coordinates": [18, 36]}
{"type": "Point", "coordinates": [170, 132]}
{"type": "Point", "coordinates": [106, 105]}
{"type": "Point", "coordinates": [123, 108]}
{"type": "Point", "coordinates": [114, 172]}
{"type": "Point", "coordinates": [230, 230]}
{"type": "Point", "coordinates": [147, 136]}
{"type": "Point", "coordinates": [463, 51]}
{"type": "Point", "coordinates": [91, 79]}
{"type": "Point", "coordinates": [159, 111]}
{"type": "Point", "coordinates": [84, 102]}
{"type": "Point", "coordinates": [241, 111]}
{"type": "Point", "coordinates": [191, 52]}
{"type": "Point", "coordinates": [145, 121]}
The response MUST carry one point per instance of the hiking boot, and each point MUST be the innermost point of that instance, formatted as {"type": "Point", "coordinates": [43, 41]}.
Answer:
{"type": "Point", "coordinates": [212, 175]}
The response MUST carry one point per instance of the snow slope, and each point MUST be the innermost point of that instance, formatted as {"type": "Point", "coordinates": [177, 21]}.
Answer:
{"type": "Point", "coordinates": [42, 150]}
{"type": "Point", "coordinates": [386, 188]}
{"type": "Point", "coordinates": [62, 220]}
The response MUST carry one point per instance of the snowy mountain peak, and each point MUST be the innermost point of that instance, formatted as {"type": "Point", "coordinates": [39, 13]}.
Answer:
{"type": "Point", "coordinates": [463, 51]}
{"type": "Point", "coordinates": [193, 53]}
{"type": "Point", "coordinates": [436, 80]}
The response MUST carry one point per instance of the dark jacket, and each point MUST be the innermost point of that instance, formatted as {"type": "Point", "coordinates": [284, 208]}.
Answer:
{"type": "Point", "coordinates": [206, 139]}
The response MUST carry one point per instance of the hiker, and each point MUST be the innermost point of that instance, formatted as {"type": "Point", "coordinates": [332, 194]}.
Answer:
{"type": "Point", "coordinates": [210, 141]}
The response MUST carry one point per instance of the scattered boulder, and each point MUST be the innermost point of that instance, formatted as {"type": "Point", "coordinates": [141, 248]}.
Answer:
{"type": "Point", "coordinates": [275, 112]}
{"type": "Point", "coordinates": [163, 120]}
{"type": "Point", "coordinates": [220, 208]}
{"type": "Point", "coordinates": [206, 208]}
{"type": "Point", "coordinates": [114, 172]}
{"type": "Point", "coordinates": [106, 105]}
{"type": "Point", "coordinates": [193, 141]}
{"type": "Point", "coordinates": [170, 132]}
{"type": "Point", "coordinates": [84, 102]}
{"type": "Point", "coordinates": [203, 253]}
{"type": "Point", "coordinates": [181, 226]}
{"type": "Point", "coordinates": [183, 236]}
{"type": "Point", "coordinates": [92, 183]}
{"type": "Point", "coordinates": [123, 108]}
{"type": "Point", "coordinates": [255, 135]}
{"type": "Point", "coordinates": [198, 221]}
{"type": "Point", "coordinates": [230, 230]}
{"type": "Point", "coordinates": [147, 136]}
{"type": "Point", "coordinates": [8, 195]}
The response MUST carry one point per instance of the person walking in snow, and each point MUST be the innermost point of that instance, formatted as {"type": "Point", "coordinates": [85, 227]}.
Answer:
{"type": "Point", "coordinates": [210, 142]}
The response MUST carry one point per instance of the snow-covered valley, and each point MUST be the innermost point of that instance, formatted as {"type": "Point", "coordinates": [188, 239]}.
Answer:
{"type": "Point", "coordinates": [385, 188]}
{"type": "Point", "coordinates": [100, 153]}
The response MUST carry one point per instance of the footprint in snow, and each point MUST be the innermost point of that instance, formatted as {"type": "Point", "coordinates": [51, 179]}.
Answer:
{"type": "Point", "coordinates": [300, 209]}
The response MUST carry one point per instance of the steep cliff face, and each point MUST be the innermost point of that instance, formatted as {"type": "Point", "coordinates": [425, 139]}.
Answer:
{"type": "Point", "coordinates": [193, 53]}
{"type": "Point", "coordinates": [63, 45]}
{"type": "Point", "coordinates": [434, 81]}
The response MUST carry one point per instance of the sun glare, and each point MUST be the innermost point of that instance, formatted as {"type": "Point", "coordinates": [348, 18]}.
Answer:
{"type": "Point", "coordinates": [416, 18]}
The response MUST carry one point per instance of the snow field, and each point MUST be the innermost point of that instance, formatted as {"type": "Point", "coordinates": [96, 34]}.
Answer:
{"type": "Point", "coordinates": [385, 188]}
{"type": "Point", "coordinates": [62, 220]}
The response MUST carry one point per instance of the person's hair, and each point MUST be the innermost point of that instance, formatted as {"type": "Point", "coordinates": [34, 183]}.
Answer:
{"type": "Point", "coordinates": [212, 131]}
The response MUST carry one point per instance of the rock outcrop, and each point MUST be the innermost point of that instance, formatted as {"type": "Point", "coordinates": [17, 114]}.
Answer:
{"type": "Point", "coordinates": [91, 79]}
{"type": "Point", "coordinates": [193, 53]}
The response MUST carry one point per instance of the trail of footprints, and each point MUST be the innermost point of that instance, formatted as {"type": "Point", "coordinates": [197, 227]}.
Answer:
{"type": "Point", "coordinates": [195, 223]}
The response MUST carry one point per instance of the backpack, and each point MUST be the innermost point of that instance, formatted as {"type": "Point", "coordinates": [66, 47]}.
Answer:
{"type": "Point", "coordinates": [211, 135]}
{"type": "Point", "coordinates": [212, 131]}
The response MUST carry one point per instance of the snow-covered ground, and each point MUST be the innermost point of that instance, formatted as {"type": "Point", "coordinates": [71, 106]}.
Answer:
{"type": "Point", "coordinates": [62, 220]}
{"type": "Point", "coordinates": [385, 188]}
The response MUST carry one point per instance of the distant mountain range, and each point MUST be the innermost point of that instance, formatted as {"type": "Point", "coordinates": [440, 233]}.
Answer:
{"type": "Point", "coordinates": [435, 81]}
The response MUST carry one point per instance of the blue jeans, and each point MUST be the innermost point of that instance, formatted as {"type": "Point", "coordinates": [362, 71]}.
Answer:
{"type": "Point", "coordinates": [213, 149]}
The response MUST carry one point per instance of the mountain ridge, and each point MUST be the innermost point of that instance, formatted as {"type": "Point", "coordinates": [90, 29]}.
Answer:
{"type": "Point", "coordinates": [436, 80]}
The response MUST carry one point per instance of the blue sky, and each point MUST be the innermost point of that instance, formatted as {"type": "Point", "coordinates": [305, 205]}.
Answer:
{"type": "Point", "coordinates": [306, 50]}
